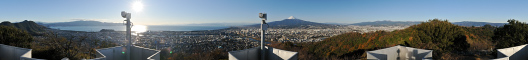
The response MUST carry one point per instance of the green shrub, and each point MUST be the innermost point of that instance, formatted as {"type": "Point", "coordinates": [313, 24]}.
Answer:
{"type": "Point", "coordinates": [512, 34]}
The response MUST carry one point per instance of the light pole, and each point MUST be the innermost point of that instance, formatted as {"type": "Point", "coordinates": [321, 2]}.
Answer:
{"type": "Point", "coordinates": [128, 33]}
{"type": "Point", "coordinates": [263, 29]}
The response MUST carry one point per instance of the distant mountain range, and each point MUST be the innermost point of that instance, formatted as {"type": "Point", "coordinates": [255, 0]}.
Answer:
{"type": "Point", "coordinates": [472, 23]}
{"type": "Point", "coordinates": [409, 23]}
{"type": "Point", "coordinates": [388, 23]}
{"type": "Point", "coordinates": [82, 23]}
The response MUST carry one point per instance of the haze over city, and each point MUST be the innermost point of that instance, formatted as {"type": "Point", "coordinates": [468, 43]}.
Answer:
{"type": "Point", "coordinates": [181, 12]}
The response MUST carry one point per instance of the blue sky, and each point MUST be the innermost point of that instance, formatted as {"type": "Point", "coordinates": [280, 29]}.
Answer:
{"type": "Point", "coordinates": [179, 12]}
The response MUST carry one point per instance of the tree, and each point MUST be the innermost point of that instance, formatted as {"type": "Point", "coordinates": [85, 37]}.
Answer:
{"type": "Point", "coordinates": [15, 37]}
{"type": "Point", "coordinates": [512, 34]}
{"type": "Point", "coordinates": [440, 35]}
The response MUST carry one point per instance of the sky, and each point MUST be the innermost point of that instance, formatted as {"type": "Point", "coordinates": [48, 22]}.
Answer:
{"type": "Point", "coordinates": [181, 12]}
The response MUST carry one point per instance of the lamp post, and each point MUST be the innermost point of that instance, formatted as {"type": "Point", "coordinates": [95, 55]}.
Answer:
{"type": "Point", "coordinates": [262, 16]}
{"type": "Point", "coordinates": [128, 33]}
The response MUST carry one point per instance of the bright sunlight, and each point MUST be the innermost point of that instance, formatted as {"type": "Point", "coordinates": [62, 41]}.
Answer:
{"type": "Point", "coordinates": [137, 6]}
{"type": "Point", "coordinates": [139, 28]}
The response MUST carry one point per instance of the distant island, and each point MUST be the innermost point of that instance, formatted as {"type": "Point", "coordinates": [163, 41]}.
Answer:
{"type": "Point", "coordinates": [83, 23]}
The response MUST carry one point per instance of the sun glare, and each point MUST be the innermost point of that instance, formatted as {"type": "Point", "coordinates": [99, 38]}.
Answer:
{"type": "Point", "coordinates": [137, 6]}
{"type": "Point", "coordinates": [139, 28]}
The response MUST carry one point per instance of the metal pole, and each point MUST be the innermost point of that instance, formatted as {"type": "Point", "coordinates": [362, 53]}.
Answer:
{"type": "Point", "coordinates": [128, 37]}
{"type": "Point", "coordinates": [262, 38]}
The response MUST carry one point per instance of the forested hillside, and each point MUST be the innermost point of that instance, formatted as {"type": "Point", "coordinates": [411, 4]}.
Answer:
{"type": "Point", "coordinates": [449, 41]}
{"type": "Point", "coordinates": [28, 26]}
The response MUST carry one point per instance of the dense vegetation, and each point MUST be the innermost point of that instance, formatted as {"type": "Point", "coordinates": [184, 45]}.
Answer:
{"type": "Point", "coordinates": [56, 47]}
{"type": "Point", "coordinates": [514, 33]}
{"type": "Point", "coordinates": [448, 41]}
{"type": "Point", "coordinates": [438, 35]}
{"type": "Point", "coordinates": [15, 37]}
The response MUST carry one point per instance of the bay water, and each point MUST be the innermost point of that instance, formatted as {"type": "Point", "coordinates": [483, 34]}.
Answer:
{"type": "Point", "coordinates": [147, 28]}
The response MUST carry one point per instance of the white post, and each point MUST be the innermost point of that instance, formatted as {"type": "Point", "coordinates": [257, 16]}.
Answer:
{"type": "Point", "coordinates": [128, 33]}
{"type": "Point", "coordinates": [262, 38]}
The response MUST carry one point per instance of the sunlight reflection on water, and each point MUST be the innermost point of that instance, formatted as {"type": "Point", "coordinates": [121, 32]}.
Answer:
{"type": "Point", "coordinates": [139, 29]}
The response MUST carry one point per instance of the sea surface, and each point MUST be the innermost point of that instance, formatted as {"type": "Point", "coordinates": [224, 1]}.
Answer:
{"type": "Point", "coordinates": [138, 28]}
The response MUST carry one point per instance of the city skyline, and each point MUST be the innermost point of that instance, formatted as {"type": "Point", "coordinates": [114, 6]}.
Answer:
{"type": "Point", "coordinates": [181, 12]}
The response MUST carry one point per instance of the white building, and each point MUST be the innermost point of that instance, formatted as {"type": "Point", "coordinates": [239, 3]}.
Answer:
{"type": "Point", "coordinates": [15, 53]}
{"type": "Point", "coordinates": [113, 53]}
{"type": "Point", "coordinates": [513, 53]}
{"type": "Point", "coordinates": [118, 53]}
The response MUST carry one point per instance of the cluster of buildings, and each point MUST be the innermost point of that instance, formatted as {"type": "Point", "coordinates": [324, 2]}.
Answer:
{"type": "Point", "coordinates": [196, 43]}
{"type": "Point", "coordinates": [308, 35]}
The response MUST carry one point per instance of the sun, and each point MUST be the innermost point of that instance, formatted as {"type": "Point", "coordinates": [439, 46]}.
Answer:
{"type": "Point", "coordinates": [137, 6]}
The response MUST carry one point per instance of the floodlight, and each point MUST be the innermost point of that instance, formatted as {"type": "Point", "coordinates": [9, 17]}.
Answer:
{"type": "Point", "coordinates": [263, 16]}
{"type": "Point", "coordinates": [123, 14]}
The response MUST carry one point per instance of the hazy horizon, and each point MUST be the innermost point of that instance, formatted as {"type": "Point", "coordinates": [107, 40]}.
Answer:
{"type": "Point", "coordinates": [183, 12]}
